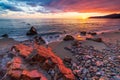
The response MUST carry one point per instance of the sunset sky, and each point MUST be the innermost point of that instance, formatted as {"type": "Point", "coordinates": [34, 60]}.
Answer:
{"type": "Point", "coordinates": [57, 8]}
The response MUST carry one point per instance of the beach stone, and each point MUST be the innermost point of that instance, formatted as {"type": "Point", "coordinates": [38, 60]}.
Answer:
{"type": "Point", "coordinates": [83, 33]}
{"type": "Point", "coordinates": [5, 35]}
{"type": "Point", "coordinates": [67, 59]}
{"type": "Point", "coordinates": [99, 63]}
{"type": "Point", "coordinates": [68, 38]}
{"type": "Point", "coordinates": [92, 33]}
{"type": "Point", "coordinates": [117, 77]}
{"type": "Point", "coordinates": [39, 40]}
{"type": "Point", "coordinates": [104, 78]}
{"type": "Point", "coordinates": [95, 78]}
{"type": "Point", "coordinates": [95, 39]}
{"type": "Point", "coordinates": [32, 31]}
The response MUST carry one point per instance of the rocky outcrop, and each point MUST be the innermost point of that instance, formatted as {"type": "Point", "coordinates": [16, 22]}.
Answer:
{"type": "Point", "coordinates": [32, 31]}
{"type": "Point", "coordinates": [68, 38]}
{"type": "Point", "coordinates": [23, 50]}
{"type": "Point", "coordinates": [36, 54]}
{"type": "Point", "coordinates": [17, 70]}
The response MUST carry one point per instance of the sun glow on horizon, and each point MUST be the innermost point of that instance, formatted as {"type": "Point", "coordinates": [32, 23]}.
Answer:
{"type": "Point", "coordinates": [75, 15]}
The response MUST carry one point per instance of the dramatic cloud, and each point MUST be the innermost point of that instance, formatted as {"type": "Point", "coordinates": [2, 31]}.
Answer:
{"type": "Point", "coordinates": [59, 6]}
{"type": "Point", "coordinates": [87, 6]}
{"type": "Point", "coordinates": [68, 5]}
{"type": "Point", "coordinates": [4, 6]}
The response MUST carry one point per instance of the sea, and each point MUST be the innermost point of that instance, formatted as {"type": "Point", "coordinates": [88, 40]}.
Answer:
{"type": "Point", "coordinates": [54, 29]}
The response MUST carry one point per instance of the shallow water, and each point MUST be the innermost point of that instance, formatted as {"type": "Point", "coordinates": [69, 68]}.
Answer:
{"type": "Point", "coordinates": [17, 28]}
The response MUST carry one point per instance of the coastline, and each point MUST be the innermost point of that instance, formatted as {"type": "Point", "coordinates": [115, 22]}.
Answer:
{"type": "Point", "coordinates": [86, 50]}
{"type": "Point", "coordinates": [58, 46]}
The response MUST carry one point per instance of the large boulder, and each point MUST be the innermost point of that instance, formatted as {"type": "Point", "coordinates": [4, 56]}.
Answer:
{"type": "Point", "coordinates": [68, 38]}
{"type": "Point", "coordinates": [32, 31]}
{"type": "Point", "coordinates": [5, 35]}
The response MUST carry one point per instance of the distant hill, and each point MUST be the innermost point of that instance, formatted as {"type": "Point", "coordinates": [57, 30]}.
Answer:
{"type": "Point", "coordinates": [111, 16]}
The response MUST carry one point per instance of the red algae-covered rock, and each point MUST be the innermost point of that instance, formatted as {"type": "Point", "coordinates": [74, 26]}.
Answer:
{"type": "Point", "coordinates": [15, 67]}
{"type": "Point", "coordinates": [55, 59]}
{"type": "Point", "coordinates": [50, 61]}
{"type": "Point", "coordinates": [16, 63]}
{"type": "Point", "coordinates": [66, 72]}
{"type": "Point", "coordinates": [15, 73]}
{"type": "Point", "coordinates": [23, 50]}
{"type": "Point", "coordinates": [34, 74]}
{"type": "Point", "coordinates": [17, 60]}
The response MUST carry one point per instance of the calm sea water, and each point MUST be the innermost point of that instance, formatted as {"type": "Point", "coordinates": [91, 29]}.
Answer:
{"type": "Point", "coordinates": [17, 28]}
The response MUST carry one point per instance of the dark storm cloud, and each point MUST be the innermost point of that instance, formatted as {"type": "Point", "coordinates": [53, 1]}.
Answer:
{"type": "Point", "coordinates": [5, 6]}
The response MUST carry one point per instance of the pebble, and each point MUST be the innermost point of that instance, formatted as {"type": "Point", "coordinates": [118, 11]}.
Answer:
{"type": "Point", "coordinates": [96, 65]}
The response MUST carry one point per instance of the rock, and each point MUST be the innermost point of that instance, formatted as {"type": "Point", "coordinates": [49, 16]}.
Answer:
{"type": "Point", "coordinates": [92, 33]}
{"type": "Point", "coordinates": [103, 78]}
{"type": "Point", "coordinates": [95, 78]}
{"type": "Point", "coordinates": [50, 60]}
{"type": "Point", "coordinates": [32, 75]}
{"type": "Point", "coordinates": [32, 31]}
{"type": "Point", "coordinates": [5, 35]}
{"type": "Point", "coordinates": [67, 59]}
{"type": "Point", "coordinates": [99, 63]}
{"type": "Point", "coordinates": [83, 33]}
{"type": "Point", "coordinates": [68, 38]}
{"type": "Point", "coordinates": [117, 77]}
{"type": "Point", "coordinates": [39, 40]}
{"type": "Point", "coordinates": [95, 39]}
{"type": "Point", "coordinates": [28, 23]}
{"type": "Point", "coordinates": [23, 50]}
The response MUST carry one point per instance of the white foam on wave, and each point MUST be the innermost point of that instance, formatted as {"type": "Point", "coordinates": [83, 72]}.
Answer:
{"type": "Point", "coordinates": [52, 38]}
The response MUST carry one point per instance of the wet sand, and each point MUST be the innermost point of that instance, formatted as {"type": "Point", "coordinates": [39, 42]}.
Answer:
{"type": "Point", "coordinates": [111, 37]}
{"type": "Point", "coordinates": [107, 37]}
{"type": "Point", "coordinates": [58, 49]}
{"type": "Point", "coordinates": [6, 43]}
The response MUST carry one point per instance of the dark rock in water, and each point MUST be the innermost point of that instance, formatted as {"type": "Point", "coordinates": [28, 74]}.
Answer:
{"type": "Point", "coordinates": [28, 23]}
{"type": "Point", "coordinates": [68, 38]}
{"type": "Point", "coordinates": [5, 35]}
{"type": "Point", "coordinates": [83, 33]}
{"type": "Point", "coordinates": [32, 31]}
{"type": "Point", "coordinates": [92, 33]}
{"type": "Point", "coordinates": [95, 39]}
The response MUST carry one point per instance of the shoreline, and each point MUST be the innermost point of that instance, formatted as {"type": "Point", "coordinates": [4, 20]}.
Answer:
{"type": "Point", "coordinates": [107, 37]}
{"type": "Point", "coordinates": [84, 52]}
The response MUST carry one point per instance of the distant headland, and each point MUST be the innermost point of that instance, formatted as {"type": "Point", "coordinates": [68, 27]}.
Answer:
{"type": "Point", "coordinates": [111, 16]}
